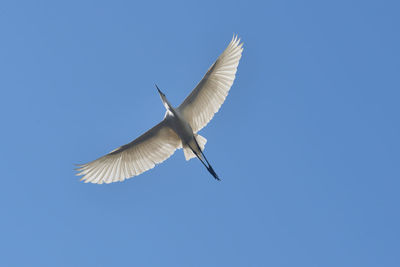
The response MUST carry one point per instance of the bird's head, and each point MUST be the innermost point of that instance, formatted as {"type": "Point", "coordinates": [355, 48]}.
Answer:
{"type": "Point", "coordinates": [167, 105]}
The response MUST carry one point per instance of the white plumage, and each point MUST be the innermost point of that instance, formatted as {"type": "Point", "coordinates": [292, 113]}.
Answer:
{"type": "Point", "coordinates": [178, 129]}
{"type": "Point", "coordinates": [206, 99]}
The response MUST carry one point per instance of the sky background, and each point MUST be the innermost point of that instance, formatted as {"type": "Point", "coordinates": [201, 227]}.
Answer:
{"type": "Point", "coordinates": [307, 142]}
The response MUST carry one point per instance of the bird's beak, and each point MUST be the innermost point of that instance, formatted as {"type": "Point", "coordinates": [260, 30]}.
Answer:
{"type": "Point", "coordinates": [159, 91]}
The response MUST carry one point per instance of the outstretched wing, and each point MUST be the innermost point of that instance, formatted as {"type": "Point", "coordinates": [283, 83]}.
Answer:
{"type": "Point", "coordinates": [140, 155]}
{"type": "Point", "coordinates": [206, 99]}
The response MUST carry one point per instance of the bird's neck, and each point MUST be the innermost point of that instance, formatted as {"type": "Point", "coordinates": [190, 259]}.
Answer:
{"type": "Point", "coordinates": [168, 105]}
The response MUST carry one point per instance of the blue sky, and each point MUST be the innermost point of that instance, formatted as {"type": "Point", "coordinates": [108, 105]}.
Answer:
{"type": "Point", "coordinates": [307, 143]}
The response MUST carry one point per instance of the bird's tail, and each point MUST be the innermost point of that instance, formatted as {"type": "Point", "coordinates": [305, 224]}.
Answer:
{"type": "Point", "coordinates": [187, 150]}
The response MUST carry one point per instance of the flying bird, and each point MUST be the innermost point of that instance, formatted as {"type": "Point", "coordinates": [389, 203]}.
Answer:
{"type": "Point", "coordinates": [178, 129]}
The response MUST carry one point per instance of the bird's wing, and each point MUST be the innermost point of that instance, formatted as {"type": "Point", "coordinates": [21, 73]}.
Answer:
{"type": "Point", "coordinates": [206, 99]}
{"type": "Point", "coordinates": [140, 155]}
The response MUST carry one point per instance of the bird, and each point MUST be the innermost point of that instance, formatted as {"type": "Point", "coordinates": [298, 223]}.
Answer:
{"type": "Point", "coordinates": [179, 128]}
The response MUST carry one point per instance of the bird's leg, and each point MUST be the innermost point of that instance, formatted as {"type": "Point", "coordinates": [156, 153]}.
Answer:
{"type": "Point", "coordinates": [209, 167]}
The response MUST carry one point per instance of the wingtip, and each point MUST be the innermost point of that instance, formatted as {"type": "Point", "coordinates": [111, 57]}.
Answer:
{"type": "Point", "coordinates": [235, 42]}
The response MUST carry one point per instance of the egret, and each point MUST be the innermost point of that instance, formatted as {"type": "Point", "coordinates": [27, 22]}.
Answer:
{"type": "Point", "coordinates": [178, 129]}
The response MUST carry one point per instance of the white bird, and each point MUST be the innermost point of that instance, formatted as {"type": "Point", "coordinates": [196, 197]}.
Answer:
{"type": "Point", "coordinates": [178, 129]}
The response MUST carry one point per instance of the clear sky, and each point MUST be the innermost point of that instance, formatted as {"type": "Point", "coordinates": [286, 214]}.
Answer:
{"type": "Point", "coordinates": [307, 142]}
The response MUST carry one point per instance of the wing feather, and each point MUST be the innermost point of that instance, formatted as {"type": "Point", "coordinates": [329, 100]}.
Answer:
{"type": "Point", "coordinates": [140, 155]}
{"type": "Point", "coordinates": [208, 96]}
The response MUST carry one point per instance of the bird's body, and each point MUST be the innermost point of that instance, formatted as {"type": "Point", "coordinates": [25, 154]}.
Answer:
{"type": "Point", "coordinates": [177, 130]}
{"type": "Point", "coordinates": [192, 143]}
{"type": "Point", "coordinates": [179, 125]}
